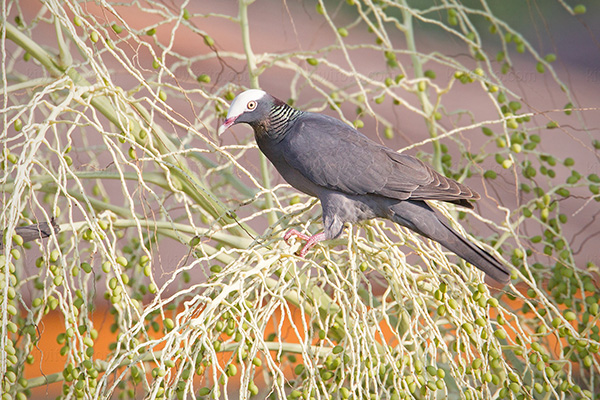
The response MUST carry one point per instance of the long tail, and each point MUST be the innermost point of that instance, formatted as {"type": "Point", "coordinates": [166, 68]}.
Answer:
{"type": "Point", "coordinates": [418, 216]}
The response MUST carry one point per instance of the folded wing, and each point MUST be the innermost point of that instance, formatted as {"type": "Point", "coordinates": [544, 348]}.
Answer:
{"type": "Point", "coordinates": [334, 155]}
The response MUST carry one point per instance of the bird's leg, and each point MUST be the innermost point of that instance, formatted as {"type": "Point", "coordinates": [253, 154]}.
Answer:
{"type": "Point", "coordinates": [310, 240]}
{"type": "Point", "coordinates": [314, 239]}
{"type": "Point", "coordinates": [293, 232]}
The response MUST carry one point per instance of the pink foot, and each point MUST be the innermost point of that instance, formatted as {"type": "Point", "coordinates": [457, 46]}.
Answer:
{"type": "Point", "coordinates": [310, 240]}
{"type": "Point", "coordinates": [293, 232]}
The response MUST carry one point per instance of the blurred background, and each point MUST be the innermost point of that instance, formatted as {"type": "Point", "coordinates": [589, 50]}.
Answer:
{"type": "Point", "coordinates": [110, 111]}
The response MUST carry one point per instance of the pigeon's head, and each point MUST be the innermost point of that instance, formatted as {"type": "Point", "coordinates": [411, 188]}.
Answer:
{"type": "Point", "coordinates": [251, 107]}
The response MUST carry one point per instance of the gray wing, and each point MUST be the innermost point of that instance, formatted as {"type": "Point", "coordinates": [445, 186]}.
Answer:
{"type": "Point", "coordinates": [336, 156]}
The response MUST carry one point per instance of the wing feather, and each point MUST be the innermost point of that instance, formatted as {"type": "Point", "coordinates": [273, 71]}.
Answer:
{"type": "Point", "coordinates": [334, 155]}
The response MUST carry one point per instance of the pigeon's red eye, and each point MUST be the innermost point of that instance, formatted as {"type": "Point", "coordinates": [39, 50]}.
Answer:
{"type": "Point", "coordinates": [251, 105]}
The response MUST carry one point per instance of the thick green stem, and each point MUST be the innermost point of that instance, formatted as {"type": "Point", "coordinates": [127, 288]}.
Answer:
{"type": "Point", "coordinates": [253, 74]}
{"type": "Point", "coordinates": [34, 49]}
{"type": "Point", "coordinates": [156, 355]}
{"type": "Point", "coordinates": [101, 364]}
{"type": "Point", "coordinates": [250, 59]}
{"type": "Point", "coordinates": [421, 94]}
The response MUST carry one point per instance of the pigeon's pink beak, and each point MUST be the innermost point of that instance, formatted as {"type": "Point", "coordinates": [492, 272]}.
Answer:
{"type": "Point", "coordinates": [226, 124]}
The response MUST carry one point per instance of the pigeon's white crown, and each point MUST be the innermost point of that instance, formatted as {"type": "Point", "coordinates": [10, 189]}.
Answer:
{"type": "Point", "coordinates": [238, 105]}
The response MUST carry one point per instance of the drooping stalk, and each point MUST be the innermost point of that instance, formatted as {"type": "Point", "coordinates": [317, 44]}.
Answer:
{"type": "Point", "coordinates": [177, 167]}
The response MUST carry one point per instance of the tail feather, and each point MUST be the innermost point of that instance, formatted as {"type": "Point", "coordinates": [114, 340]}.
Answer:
{"type": "Point", "coordinates": [421, 218]}
{"type": "Point", "coordinates": [475, 255]}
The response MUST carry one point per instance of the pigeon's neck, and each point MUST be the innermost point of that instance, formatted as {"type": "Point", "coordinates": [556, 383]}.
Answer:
{"type": "Point", "coordinates": [281, 119]}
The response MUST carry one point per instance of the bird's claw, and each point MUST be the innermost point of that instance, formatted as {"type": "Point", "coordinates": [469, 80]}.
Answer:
{"type": "Point", "coordinates": [310, 240]}
{"type": "Point", "coordinates": [293, 232]}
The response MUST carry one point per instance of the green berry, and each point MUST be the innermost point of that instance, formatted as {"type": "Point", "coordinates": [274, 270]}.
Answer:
{"type": "Point", "coordinates": [468, 327]}
{"type": "Point", "coordinates": [203, 78]}
{"type": "Point", "coordinates": [500, 334]}
{"type": "Point", "coordinates": [570, 315]}
{"type": "Point", "coordinates": [540, 67]}
{"type": "Point", "coordinates": [568, 108]}
{"type": "Point", "coordinates": [388, 133]}
{"type": "Point", "coordinates": [429, 74]}
{"type": "Point", "coordinates": [252, 388]}
{"type": "Point", "coordinates": [231, 370]}
{"type": "Point", "coordinates": [18, 125]}
{"type": "Point", "coordinates": [106, 266]}
{"type": "Point", "coordinates": [210, 42]}
{"type": "Point", "coordinates": [514, 105]}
